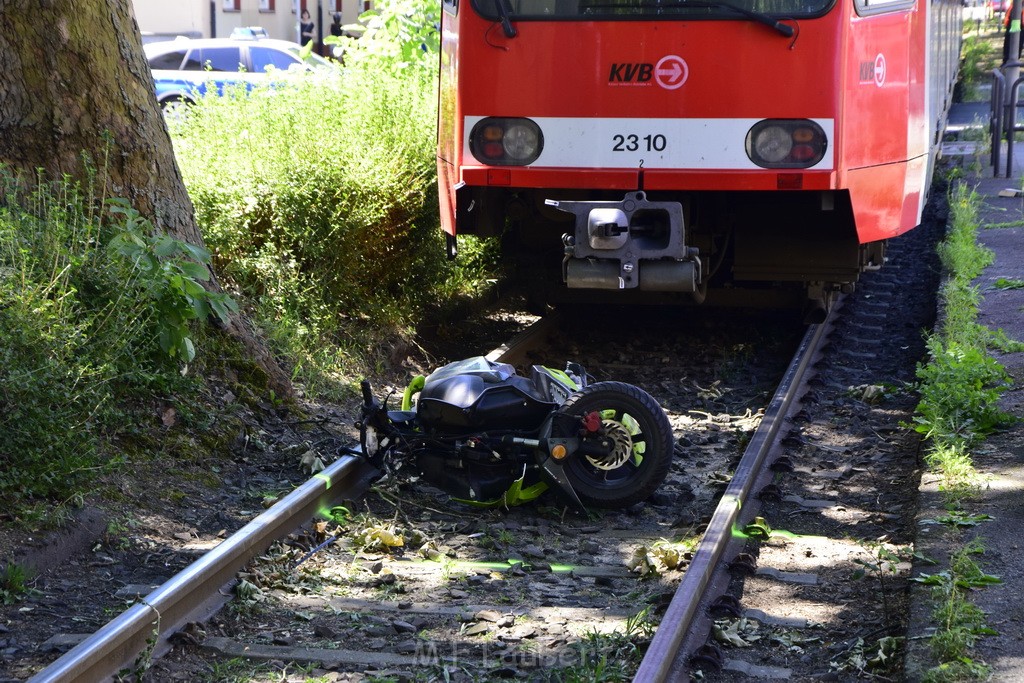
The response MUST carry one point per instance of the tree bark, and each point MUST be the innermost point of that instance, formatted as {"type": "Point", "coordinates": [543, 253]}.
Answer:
{"type": "Point", "coordinates": [76, 92]}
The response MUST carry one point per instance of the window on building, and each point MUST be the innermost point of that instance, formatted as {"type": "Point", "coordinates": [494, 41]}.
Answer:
{"type": "Point", "coordinates": [267, 5]}
{"type": "Point", "coordinates": [232, 5]}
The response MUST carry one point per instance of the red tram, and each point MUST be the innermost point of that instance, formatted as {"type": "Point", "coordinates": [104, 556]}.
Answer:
{"type": "Point", "coordinates": [734, 151]}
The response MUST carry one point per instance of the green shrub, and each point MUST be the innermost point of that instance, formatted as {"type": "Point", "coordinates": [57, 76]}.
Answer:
{"type": "Point", "coordinates": [80, 338]}
{"type": "Point", "coordinates": [395, 35]}
{"type": "Point", "coordinates": [317, 197]}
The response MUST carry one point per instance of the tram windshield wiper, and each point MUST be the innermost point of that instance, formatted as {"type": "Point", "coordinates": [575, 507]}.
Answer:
{"type": "Point", "coordinates": [760, 17]}
{"type": "Point", "coordinates": [767, 20]}
{"type": "Point", "coordinates": [504, 16]}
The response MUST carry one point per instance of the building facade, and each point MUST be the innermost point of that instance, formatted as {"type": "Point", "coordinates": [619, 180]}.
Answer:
{"type": "Point", "coordinates": [159, 19]}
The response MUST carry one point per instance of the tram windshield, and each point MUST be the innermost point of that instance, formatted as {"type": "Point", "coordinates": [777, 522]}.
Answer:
{"type": "Point", "coordinates": [757, 10]}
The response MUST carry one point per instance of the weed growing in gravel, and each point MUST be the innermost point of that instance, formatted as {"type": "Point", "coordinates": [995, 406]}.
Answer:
{"type": "Point", "coordinates": [958, 519]}
{"type": "Point", "coordinates": [959, 480]}
{"type": "Point", "coordinates": [961, 383]}
{"type": "Point", "coordinates": [979, 134]}
{"type": "Point", "coordinates": [1003, 226]}
{"type": "Point", "coordinates": [119, 533]}
{"type": "Point", "coordinates": [144, 660]}
{"type": "Point", "coordinates": [232, 670]}
{"type": "Point", "coordinates": [14, 583]}
{"type": "Point", "coordinates": [607, 657]}
{"type": "Point", "coordinates": [1000, 342]}
{"type": "Point", "coordinates": [959, 388]}
{"type": "Point", "coordinates": [1008, 283]}
{"type": "Point", "coordinates": [241, 670]}
{"type": "Point", "coordinates": [961, 623]}
{"type": "Point", "coordinates": [883, 565]}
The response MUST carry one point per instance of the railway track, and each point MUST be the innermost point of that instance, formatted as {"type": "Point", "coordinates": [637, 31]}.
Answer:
{"type": "Point", "coordinates": [536, 593]}
{"type": "Point", "coordinates": [593, 578]}
{"type": "Point", "coordinates": [197, 590]}
{"type": "Point", "coordinates": [685, 626]}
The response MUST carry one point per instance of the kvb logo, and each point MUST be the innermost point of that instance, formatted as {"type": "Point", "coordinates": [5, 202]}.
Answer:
{"type": "Point", "coordinates": [670, 73]}
{"type": "Point", "coordinates": [631, 74]}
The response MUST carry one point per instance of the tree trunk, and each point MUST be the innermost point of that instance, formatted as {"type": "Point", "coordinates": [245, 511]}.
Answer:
{"type": "Point", "coordinates": [75, 92]}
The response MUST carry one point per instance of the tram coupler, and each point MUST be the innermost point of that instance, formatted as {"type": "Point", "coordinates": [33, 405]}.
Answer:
{"type": "Point", "coordinates": [634, 243]}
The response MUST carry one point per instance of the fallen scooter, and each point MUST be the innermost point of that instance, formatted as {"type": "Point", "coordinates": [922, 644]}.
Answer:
{"type": "Point", "coordinates": [488, 436]}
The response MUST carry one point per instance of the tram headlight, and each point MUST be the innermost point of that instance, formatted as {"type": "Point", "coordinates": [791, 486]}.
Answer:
{"type": "Point", "coordinates": [772, 144]}
{"type": "Point", "coordinates": [786, 143]}
{"type": "Point", "coordinates": [506, 141]}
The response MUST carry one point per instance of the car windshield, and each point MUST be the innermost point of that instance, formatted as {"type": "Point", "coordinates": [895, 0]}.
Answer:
{"type": "Point", "coordinates": [649, 9]}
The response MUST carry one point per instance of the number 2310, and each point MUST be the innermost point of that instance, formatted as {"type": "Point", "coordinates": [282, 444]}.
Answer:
{"type": "Point", "coordinates": [635, 143]}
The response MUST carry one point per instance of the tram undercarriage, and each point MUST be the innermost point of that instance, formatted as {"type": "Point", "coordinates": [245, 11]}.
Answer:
{"type": "Point", "coordinates": [750, 249]}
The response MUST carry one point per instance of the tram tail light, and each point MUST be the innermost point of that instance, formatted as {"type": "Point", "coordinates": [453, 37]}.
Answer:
{"type": "Point", "coordinates": [506, 141]}
{"type": "Point", "coordinates": [786, 143]}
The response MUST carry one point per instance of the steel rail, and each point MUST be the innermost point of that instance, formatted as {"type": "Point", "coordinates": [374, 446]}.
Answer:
{"type": "Point", "coordinates": [534, 336]}
{"type": "Point", "coordinates": [165, 610]}
{"type": "Point", "coordinates": [657, 664]}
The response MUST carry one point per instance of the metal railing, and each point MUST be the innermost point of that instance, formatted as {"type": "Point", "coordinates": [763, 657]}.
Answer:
{"type": "Point", "coordinates": [1004, 122]}
{"type": "Point", "coordinates": [1011, 126]}
{"type": "Point", "coordinates": [995, 124]}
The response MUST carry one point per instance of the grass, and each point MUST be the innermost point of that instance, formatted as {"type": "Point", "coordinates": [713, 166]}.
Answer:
{"type": "Point", "coordinates": [605, 657]}
{"type": "Point", "coordinates": [1008, 283]}
{"type": "Point", "coordinates": [240, 670]}
{"type": "Point", "coordinates": [85, 337]}
{"type": "Point", "coordinates": [960, 622]}
{"type": "Point", "coordinates": [959, 388]}
{"type": "Point", "coordinates": [961, 383]}
{"type": "Point", "coordinates": [14, 583]}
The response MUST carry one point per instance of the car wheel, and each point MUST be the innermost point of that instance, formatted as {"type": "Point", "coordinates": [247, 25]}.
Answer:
{"type": "Point", "coordinates": [175, 108]}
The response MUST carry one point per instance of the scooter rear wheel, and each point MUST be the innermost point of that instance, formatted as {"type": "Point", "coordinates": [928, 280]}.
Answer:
{"type": "Point", "coordinates": [639, 433]}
